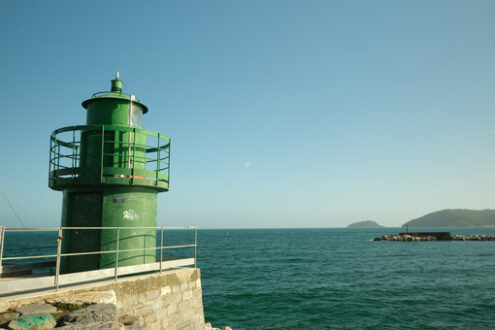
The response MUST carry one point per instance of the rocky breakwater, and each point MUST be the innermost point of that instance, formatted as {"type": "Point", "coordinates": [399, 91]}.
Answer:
{"type": "Point", "coordinates": [417, 238]}
{"type": "Point", "coordinates": [474, 238]}
{"type": "Point", "coordinates": [405, 238]}
{"type": "Point", "coordinates": [71, 317]}
{"type": "Point", "coordinates": [96, 310]}
{"type": "Point", "coordinates": [64, 316]}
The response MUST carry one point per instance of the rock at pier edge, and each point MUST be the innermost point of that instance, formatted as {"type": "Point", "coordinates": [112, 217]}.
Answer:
{"type": "Point", "coordinates": [209, 327]}
{"type": "Point", "coordinates": [416, 237]}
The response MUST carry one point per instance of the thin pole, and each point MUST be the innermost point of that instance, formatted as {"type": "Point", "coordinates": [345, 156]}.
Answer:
{"type": "Point", "coordinates": [117, 254]}
{"type": "Point", "coordinates": [1, 248]}
{"type": "Point", "coordinates": [58, 156]}
{"type": "Point", "coordinates": [76, 161]}
{"type": "Point", "coordinates": [161, 251]}
{"type": "Point", "coordinates": [168, 160]}
{"type": "Point", "coordinates": [133, 153]}
{"type": "Point", "coordinates": [195, 244]}
{"type": "Point", "coordinates": [50, 165]}
{"type": "Point", "coordinates": [73, 153]}
{"type": "Point", "coordinates": [59, 251]}
{"type": "Point", "coordinates": [102, 151]}
{"type": "Point", "coordinates": [158, 161]}
{"type": "Point", "coordinates": [129, 119]}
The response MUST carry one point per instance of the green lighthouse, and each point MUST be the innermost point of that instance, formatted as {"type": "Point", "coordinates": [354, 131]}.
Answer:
{"type": "Point", "coordinates": [110, 171]}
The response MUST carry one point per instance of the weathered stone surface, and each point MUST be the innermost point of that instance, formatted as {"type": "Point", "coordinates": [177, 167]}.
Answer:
{"type": "Point", "coordinates": [226, 328]}
{"type": "Point", "coordinates": [171, 309]}
{"type": "Point", "coordinates": [151, 295]}
{"type": "Point", "coordinates": [187, 295]}
{"type": "Point", "coordinates": [150, 318]}
{"type": "Point", "coordinates": [112, 325]}
{"type": "Point", "coordinates": [85, 298]}
{"type": "Point", "coordinates": [36, 309]}
{"type": "Point", "coordinates": [92, 314]}
{"type": "Point", "coordinates": [5, 305]}
{"type": "Point", "coordinates": [7, 317]}
{"type": "Point", "coordinates": [134, 327]}
{"type": "Point", "coordinates": [165, 290]}
{"type": "Point", "coordinates": [144, 309]}
{"type": "Point", "coordinates": [131, 299]}
{"type": "Point", "coordinates": [127, 319]}
{"type": "Point", "coordinates": [155, 326]}
{"type": "Point", "coordinates": [177, 298]}
{"type": "Point", "coordinates": [39, 321]}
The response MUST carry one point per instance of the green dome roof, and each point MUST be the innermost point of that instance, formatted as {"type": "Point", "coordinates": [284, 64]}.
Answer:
{"type": "Point", "coordinates": [115, 93]}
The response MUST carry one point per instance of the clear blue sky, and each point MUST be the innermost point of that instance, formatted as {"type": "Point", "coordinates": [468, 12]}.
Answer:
{"type": "Point", "coordinates": [281, 113]}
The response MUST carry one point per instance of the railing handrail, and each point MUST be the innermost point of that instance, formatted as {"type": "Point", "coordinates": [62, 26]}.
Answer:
{"type": "Point", "coordinates": [98, 252]}
{"type": "Point", "coordinates": [107, 128]}
{"type": "Point", "coordinates": [59, 253]}
{"type": "Point", "coordinates": [79, 228]}
{"type": "Point", "coordinates": [150, 167]}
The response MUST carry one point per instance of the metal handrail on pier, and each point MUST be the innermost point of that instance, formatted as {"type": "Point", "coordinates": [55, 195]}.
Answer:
{"type": "Point", "coordinates": [100, 274]}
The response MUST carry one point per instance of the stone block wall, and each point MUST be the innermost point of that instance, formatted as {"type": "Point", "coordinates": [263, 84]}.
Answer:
{"type": "Point", "coordinates": [170, 300]}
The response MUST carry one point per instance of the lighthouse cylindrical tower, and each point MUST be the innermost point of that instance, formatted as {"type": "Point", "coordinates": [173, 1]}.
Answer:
{"type": "Point", "coordinates": [110, 171]}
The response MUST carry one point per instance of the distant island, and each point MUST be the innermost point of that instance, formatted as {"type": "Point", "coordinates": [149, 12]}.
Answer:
{"type": "Point", "coordinates": [455, 218]}
{"type": "Point", "coordinates": [364, 224]}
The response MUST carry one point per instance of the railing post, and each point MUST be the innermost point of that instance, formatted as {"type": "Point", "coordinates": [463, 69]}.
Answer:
{"type": "Point", "coordinates": [117, 254]}
{"type": "Point", "coordinates": [58, 156]}
{"type": "Point", "coordinates": [168, 160]}
{"type": "Point", "coordinates": [133, 134]}
{"type": "Point", "coordinates": [1, 247]}
{"type": "Point", "coordinates": [59, 251]}
{"type": "Point", "coordinates": [102, 151]}
{"type": "Point", "coordinates": [161, 251]}
{"type": "Point", "coordinates": [195, 244]}
{"type": "Point", "coordinates": [73, 155]}
{"type": "Point", "coordinates": [51, 157]}
{"type": "Point", "coordinates": [158, 159]}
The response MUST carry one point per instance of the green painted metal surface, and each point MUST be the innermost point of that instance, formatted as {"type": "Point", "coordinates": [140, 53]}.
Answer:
{"type": "Point", "coordinates": [110, 171]}
{"type": "Point", "coordinates": [135, 208]}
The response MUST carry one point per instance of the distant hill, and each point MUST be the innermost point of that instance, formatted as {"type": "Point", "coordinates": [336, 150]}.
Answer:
{"type": "Point", "coordinates": [455, 218]}
{"type": "Point", "coordinates": [364, 224]}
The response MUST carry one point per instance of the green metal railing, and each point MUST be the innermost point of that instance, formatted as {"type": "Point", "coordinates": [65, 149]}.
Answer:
{"type": "Point", "coordinates": [125, 156]}
{"type": "Point", "coordinates": [161, 263]}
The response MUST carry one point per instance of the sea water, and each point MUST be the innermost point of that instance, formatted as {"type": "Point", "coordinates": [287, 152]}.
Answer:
{"type": "Point", "coordinates": [341, 279]}
{"type": "Point", "coordinates": [333, 278]}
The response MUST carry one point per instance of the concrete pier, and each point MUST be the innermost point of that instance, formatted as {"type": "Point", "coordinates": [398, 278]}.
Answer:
{"type": "Point", "coordinates": [168, 300]}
